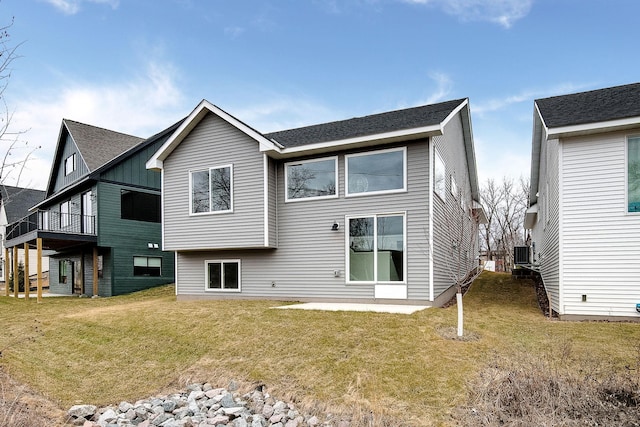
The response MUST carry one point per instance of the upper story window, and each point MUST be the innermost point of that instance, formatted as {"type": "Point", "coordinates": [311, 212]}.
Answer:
{"type": "Point", "coordinates": [381, 171]}
{"type": "Point", "coordinates": [212, 190]}
{"type": "Point", "coordinates": [65, 213]}
{"type": "Point", "coordinates": [439, 174]}
{"type": "Point", "coordinates": [312, 179]}
{"type": "Point", "coordinates": [633, 174]}
{"type": "Point", "coordinates": [70, 164]}
{"type": "Point", "coordinates": [139, 206]}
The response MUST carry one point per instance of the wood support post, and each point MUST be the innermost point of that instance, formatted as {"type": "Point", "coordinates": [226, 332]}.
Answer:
{"type": "Point", "coordinates": [16, 276]}
{"type": "Point", "coordinates": [7, 268]}
{"type": "Point", "coordinates": [95, 271]}
{"type": "Point", "coordinates": [39, 251]}
{"type": "Point", "coordinates": [27, 282]}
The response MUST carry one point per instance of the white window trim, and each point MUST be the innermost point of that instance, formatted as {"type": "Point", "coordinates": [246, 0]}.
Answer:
{"type": "Point", "coordinates": [453, 186]}
{"type": "Point", "coordinates": [375, 253]}
{"type": "Point", "coordinates": [191, 171]}
{"type": "Point", "coordinates": [626, 175]}
{"type": "Point", "coordinates": [73, 164]}
{"type": "Point", "coordinates": [301, 199]}
{"type": "Point", "coordinates": [371, 193]}
{"type": "Point", "coordinates": [437, 158]}
{"type": "Point", "coordinates": [222, 262]}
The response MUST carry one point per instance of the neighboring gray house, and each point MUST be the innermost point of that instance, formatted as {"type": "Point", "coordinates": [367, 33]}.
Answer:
{"type": "Point", "coordinates": [584, 212]}
{"type": "Point", "coordinates": [354, 210]}
{"type": "Point", "coordinates": [15, 203]}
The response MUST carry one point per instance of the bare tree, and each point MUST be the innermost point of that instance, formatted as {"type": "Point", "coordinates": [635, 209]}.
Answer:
{"type": "Point", "coordinates": [459, 242]}
{"type": "Point", "coordinates": [11, 142]}
{"type": "Point", "coordinates": [505, 204]}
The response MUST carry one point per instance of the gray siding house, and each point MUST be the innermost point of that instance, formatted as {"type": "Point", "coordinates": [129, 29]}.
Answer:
{"type": "Point", "coordinates": [584, 212]}
{"type": "Point", "coordinates": [353, 210]}
{"type": "Point", "coordinates": [100, 217]}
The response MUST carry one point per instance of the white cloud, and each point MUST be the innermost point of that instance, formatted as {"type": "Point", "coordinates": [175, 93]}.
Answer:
{"type": "Point", "coordinates": [71, 7]}
{"type": "Point", "coordinates": [526, 95]}
{"type": "Point", "coordinates": [501, 12]}
{"type": "Point", "coordinates": [233, 32]}
{"type": "Point", "coordinates": [283, 112]}
{"type": "Point", "coordinates": [141, 106]}
{"type": "Point", "coordinates": [443, 89]}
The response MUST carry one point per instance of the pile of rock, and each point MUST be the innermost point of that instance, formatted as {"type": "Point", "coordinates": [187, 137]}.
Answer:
{"type": "Point", "coordinates": [201, 405]}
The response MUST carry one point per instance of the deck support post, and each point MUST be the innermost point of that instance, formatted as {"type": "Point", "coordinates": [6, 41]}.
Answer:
{"type": "Point", "coordinates": [7, 267]}
{"type": "Point", "coordinates": [16, 276]}
{"type": "Point", "coordinates": [27, 282]}
{"type": "Point", "coordinates": [95, 271]}
{"type": "Point", "coordinates": [39, 267]}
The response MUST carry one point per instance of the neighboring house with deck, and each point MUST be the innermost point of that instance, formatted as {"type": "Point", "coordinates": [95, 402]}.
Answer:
{"type": "Point", "coordinates": [15, 203]}
{"type": "Point", "coordinates": [353, 210]}
{"type": "Point", "coordinates": [100, 216]}
{"type": "Point", "coordinates": [584, 212]}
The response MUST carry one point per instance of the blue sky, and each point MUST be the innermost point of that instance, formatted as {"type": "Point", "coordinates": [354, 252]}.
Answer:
{"type": "Point", "coordinates": [137, 66]}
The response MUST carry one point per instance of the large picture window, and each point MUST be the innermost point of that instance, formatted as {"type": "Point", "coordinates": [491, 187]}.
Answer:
{"type": "Point", "coordinates": [147, 266]}
{"type": "Point", "coordinates": [222, 275]}
{"type": "Point", "coordinates": [212, 190]}
{"type": "Point", "coordinates": [376, 249]}
{"type": "Point", "coordinates": [376, 172]}
{"type": "Point", "coordinates": [633, 174]}
{"type": "Point", "coordinates": [312, 179]}
{"type": "Point", "coordinates": [139, 206]}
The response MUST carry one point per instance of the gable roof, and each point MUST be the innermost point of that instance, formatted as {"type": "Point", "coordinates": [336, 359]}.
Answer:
{"type": "Point", "coordinates": [17, 201]}
{"type": "Point", "coordinates": [407, 124]}
{"type": "Point", "coordinates": [382, 123]}
{"type": "Point", "coordinates": [603, 110]}
{"type": "Point", "coordinates": [614, 108]}
{"type": "Point", "coordinates": [98, 145]}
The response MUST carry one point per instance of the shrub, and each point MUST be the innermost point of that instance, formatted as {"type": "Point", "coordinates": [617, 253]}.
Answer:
{"type": "Point", "coordinates": [20, 278]}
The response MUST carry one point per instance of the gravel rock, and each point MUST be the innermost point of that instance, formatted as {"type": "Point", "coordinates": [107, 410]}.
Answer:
{"type": "Point", "coordinates": [202, 405]}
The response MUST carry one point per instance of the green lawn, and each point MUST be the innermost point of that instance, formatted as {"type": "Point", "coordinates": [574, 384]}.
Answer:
{"type": "Point", "coordinates": [103, 351]}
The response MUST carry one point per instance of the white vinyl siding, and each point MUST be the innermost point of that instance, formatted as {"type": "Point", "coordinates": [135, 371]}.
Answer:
{"type": "Point", "coordinates": [310, 253]}
{"type": "Point", "coordinates": [546, 232]}
{"type": "Point", "coordinates": [214, 142]}
{"type": "Point", "coordinates": [447, 213]}
{"type": "Point", "coordinates": [601, 241]}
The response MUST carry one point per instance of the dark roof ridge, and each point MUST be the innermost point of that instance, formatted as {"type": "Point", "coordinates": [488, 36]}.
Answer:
{"type": "Point", "coordinates": [594, 106]}
{"type": "Point", "coordinates": [102, 128]}
{"type": "Point", "coordinates": [388, 121]}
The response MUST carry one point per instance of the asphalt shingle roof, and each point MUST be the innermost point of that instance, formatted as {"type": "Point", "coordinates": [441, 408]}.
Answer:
{"type": "Point", "coordinates": [97, 145]}
{"type": "Point", "coordinates": [410, 118]}
{"type": "Point", "coordinates": [17, 201]}
{"type": "Point", "coordinates": [614, 103]}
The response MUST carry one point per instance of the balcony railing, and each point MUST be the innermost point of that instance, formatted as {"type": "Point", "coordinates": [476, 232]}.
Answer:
{"type": "Point", "coordinates": [55, 222]}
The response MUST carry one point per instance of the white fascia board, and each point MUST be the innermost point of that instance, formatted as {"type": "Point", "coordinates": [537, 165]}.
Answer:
{"type": "Point", "coordinates": [454, 112]}
{"type": "Point", "coordinates": [156, 161]}
{"type": "Point", "coordinates": [590, 128]}
{"type": "Point", "coordinates": [359, 141]}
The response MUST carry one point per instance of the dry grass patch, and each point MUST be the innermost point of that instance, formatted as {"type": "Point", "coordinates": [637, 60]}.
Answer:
{"type": "Point", "coordinates": [380, 369]}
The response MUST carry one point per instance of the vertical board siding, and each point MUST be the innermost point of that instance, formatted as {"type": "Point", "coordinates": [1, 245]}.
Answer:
{"type": "Point", "coordinates": [448, 214]}
{"type": "Point", "coordinates": [601, 241]}
{"type": "Point", "coordinates": [212, 143]}
{"type": "Point", "coordinates": [308, 250]}
{"type": "Point", "coordinates": [62, 180]}
{"type": "Point", "coordinates": [128, 238]}
{"type": "Point", "coordinates": [132, 170]}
